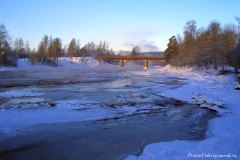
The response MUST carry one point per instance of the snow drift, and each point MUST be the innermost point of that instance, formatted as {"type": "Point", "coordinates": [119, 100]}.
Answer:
{"type": "Point", "coordinates": [66, 62]}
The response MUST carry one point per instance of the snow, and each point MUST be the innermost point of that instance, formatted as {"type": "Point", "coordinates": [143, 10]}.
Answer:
{"type": "Point", "coordinates": [77, 104]}
{"type": "Point", "coordinates": [207, 89]}
{"type": "Point", "coordinates": [62, 111]}
{"type": "Point", "coordinates": [64, 62]}
{"type": "Point", "coordinates": [128, 110]}
{"type": "Point", "coordinates": [10, 123]}
{"type": "Point", "coordinates": [24, 63]}
{"type": "Point", "coordinates": [87, 62]}
{"type": "Point", "coordinates": [213, 91]}
{"type": "Point", "coordinates": [237, 87]}
{"type": "Point", "coordinates": [17, 94]}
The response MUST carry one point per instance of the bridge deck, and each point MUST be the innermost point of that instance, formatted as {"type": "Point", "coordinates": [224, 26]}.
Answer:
{"type": "Point", "coordinates": [132, 58]}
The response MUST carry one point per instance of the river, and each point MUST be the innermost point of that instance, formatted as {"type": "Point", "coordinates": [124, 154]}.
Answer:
{"type": "Point", "coordinates": [136, 114]}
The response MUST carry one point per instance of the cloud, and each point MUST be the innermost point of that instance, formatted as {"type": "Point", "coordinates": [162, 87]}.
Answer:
{"type": "Point", "coordinates": [142, 37]}
{"type": "Point", "coordinates": [145, 45]}
{"type": "Point", "coordinates": [129, 44]}
{"type": "Point", "coordinates": [148, 47]}
{"type": "Point", "coordinates": [144, 33]}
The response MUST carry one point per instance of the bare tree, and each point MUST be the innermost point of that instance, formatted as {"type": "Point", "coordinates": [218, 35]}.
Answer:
{"type": "Point", "coordinates": [19, 48]}
{"type": "Point", "coordinates": [190, 34]}
{"type": "Point", "coordinates": [6, 56]}
{"type": "Point", "coordinates": [213, 44]}
{"type": "Point", "coordinates": [42, 51]}
{"type": "Point", "coordinates": [72, 48]}
{"type": "Point", "coordinates": [229, 42]}
{"type": "Point", "coordinates": [236, 52]}
{"type": "Point", "coordinates": [55, 49]}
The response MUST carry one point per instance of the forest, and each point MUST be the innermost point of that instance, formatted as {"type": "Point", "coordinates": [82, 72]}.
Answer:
{"type": "Point", "coordinates": [215, 46]}
{"type": "Point", "coordinates": [48, 50]}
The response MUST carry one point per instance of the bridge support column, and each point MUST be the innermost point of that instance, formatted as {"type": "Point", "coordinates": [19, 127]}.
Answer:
{"type": "Point", "coordinates": [121, 63]}
{"type": "Point", "coordinates": [145, 64]}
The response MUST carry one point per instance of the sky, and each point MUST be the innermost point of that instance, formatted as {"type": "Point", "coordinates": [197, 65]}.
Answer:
{"type": "Point", "coordinates": [122, 23]}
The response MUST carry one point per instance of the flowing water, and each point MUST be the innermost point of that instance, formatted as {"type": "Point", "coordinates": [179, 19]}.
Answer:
{"type": "Point", "coordinates": [159, 118]}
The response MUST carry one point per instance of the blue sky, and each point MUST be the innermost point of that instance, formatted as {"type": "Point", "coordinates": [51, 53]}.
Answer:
{"type": "Point", "coordinates": [122, 23]}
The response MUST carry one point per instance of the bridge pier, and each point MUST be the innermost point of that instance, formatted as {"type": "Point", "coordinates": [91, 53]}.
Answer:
{"type": "Point", "coordinates": [122, 59]}
{"type": "Point", "coordinates": [121, 63]}
{"type": "Point", "coordinates": [145, 64]}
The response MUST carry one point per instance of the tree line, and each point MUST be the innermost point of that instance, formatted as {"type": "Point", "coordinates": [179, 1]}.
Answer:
{"type": "Point", "coordinates": [48, 51]}
{"type": "Point", "coordinates": [7, 56]}
{"type": "Point", "coordinates": [215, 45]}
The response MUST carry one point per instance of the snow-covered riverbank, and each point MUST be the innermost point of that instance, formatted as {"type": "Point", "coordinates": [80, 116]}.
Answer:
{"type": "Point", "coordinates": [209, 90]}
{"type": "Point", "coordinates": [223, 135]}
{"type": "Point", "coordinates": [63, 62]}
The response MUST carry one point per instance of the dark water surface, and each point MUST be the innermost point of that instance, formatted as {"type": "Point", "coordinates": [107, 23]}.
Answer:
{"type": "Point", "coordinates": [109, 139]}
{"type": "Point", "coordinates": [106, 139]}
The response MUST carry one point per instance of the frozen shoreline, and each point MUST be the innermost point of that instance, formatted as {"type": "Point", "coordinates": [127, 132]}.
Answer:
{"type": "Point", "coordinates": [223, 135]}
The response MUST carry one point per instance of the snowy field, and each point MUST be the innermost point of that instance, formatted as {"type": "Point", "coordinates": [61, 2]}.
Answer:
{"type": "Point", "coordinates": [208, 90]}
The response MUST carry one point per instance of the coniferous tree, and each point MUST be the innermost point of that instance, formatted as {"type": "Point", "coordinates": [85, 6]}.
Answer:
{"type": "Point", "coordinates": [135, 51]}
{"type": "Point", "coordinates": [172, 50]}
